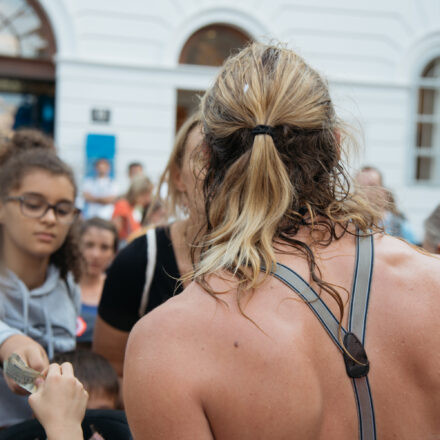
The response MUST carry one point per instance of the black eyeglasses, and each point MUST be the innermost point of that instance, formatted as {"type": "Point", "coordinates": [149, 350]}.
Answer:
{"type": "Point", "coordinates": [35, 206]}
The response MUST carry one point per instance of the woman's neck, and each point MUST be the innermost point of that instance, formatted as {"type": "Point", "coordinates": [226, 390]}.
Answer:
{"type": "Point", "coordinates": [30, 269]}
{"type": "Point", "coordinates": [91, 288]}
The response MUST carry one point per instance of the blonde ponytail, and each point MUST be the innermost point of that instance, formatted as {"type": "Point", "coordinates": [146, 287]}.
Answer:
{"type": "Point", "coordinates": [261, 187]}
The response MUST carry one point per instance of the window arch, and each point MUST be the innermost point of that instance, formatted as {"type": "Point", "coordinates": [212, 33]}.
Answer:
{"type": "Point", "coordinates": [27, 70]}
{"type": "Point", "coordinates": [211, 45]}
{"type": "Point", "coordinates": [427, 142]}
{"type": "Point", "coordinates": [208, 46]}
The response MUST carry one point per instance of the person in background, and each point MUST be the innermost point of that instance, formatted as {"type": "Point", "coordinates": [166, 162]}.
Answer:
{"type": "Point", "coordinates": [98, 245]}
{"type": "Point", "coordinates": [139, 280]}
{"type": "Point", "coordinates": [129, 210]}
{"type": "Point", "coordinates": [370, 181]}
{"type": "Point", "coordinates": [96, 374]}
{"type": "Point", "coordinates": [431, 240]}
{"type": "Point", "coordinates": [135, 169]}
{"type": "Point", "coordinates": [100, 192]}
{"type": "Point", "coordinates": [39, 298]}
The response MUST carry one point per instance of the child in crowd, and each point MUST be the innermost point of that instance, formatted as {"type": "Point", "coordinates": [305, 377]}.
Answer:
{"type": "Point", "coordinates": [96, 374]}
{"type": "Point", "coordinates": [39, 300]}
{"type": "Point", "coordinates": [98, 244]}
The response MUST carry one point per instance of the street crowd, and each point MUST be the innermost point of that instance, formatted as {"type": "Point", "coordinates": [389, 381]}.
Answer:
{"type": "Point", "coordinates": [131, 288]}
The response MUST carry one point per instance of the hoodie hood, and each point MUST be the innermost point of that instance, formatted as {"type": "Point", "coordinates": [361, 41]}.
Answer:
{"type": "Point", "coordinates": [47, 313]}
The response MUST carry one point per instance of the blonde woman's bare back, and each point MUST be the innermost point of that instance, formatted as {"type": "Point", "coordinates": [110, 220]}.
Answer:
{"type": "Point", "coordinates": [196, 369]}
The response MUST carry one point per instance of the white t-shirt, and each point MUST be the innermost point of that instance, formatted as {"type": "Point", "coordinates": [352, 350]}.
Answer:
{"type": "Point", "coordinates": [99, 187]}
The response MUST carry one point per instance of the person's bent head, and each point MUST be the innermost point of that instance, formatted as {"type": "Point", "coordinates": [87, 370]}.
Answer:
{"type": "Point", "coordinates": [37, 207]}
{"type": "Point", "coordinates": [139, 193]}
{"type": "Point", "coordinates": [272, 144]}
{"type": "Point", "coordinates": [431, 241]}
{"type": "Point", "coordinates": [98, 244]}
{"type": "Point", "coordinates": [97, 376]}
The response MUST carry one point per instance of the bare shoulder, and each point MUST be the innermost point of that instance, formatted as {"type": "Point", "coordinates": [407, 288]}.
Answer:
{"type": "Point", "coordinates": [161, 390]}
{"type": "Point", "coordinates": [414, 267]}
{"type": "Point", "coordinates": [407, 281]}
{"type": "Point", "coordinates": [176, 319]}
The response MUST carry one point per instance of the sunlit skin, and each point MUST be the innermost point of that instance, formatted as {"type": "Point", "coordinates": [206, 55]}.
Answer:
{"type": "Point", "coordinates": [286, 379]}
{"type": "Point", "coordinates": [97, 249]}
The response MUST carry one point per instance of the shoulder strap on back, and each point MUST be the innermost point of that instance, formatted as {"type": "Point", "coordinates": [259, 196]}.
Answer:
{"type": "Point", "coordinates": [357, 321]}
{"type": "Point", "coordinates": [150, 237]}
{"type": "Point", "coordinates": [355, 335]}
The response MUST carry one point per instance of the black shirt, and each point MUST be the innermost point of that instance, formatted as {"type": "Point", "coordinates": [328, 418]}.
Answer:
{"type": "Point", "coordinates": [124, 285]}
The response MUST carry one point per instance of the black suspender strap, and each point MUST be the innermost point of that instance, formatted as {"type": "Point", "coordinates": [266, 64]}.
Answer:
{"type": "Point", "coordinates": [355, 336]}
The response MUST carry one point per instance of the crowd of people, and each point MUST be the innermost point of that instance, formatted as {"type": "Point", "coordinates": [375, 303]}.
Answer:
{"type": "Point", "coordinates": [175, 297]}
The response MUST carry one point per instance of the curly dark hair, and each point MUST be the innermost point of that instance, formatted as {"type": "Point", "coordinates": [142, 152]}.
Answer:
{"type": "Point", "coordinates": [15, 163]}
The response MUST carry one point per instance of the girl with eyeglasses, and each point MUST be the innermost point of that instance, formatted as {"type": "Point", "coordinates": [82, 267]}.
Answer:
{"type": "Point", "coordinates": [39, 263]}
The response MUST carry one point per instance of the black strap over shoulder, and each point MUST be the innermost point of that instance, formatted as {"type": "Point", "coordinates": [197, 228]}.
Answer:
{"type": "Point", "coordinates": [356, 363]}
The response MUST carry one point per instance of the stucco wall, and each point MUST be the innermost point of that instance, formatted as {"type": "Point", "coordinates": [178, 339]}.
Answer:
{"type": "Point", "coordinates": [122, 55]}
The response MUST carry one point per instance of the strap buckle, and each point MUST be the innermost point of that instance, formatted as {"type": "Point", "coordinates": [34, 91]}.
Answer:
{"type": "Point", "coordinates": [357, 351]}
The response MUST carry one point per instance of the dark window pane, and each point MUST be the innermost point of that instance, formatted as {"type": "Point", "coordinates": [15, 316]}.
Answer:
{"type": "Point", "coordinates": [26, 104]}
{"type": "Point", "coordinates": [424, 168]}
{"type": "Point", "coordinates": [424, 134]}
{"type": "Point", "coordinates": [211, 45]}
{"type": "Point", "coordinates": [429, 101]}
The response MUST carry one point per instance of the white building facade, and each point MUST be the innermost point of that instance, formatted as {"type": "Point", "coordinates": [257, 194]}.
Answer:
{"type": "Point", "coordinates": [380, 58]}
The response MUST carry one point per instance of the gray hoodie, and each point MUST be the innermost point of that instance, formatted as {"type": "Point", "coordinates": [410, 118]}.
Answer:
{"type": "Point", "coordinates": [47, 314]}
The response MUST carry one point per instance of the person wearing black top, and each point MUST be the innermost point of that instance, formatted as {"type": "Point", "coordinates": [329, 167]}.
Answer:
{"type": "Point", "coordinates": [128, 293]}
{"type": "Point", "coordinates": [127, 274]}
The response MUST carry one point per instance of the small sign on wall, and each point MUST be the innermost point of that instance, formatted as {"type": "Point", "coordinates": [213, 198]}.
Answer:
{"type": "Point", "coordinates": [100, 146]}
{"type": "Point", "coordinates": [101, 115]}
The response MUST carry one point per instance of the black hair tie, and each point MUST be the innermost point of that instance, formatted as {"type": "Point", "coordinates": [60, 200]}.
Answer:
{"type": "Point", "coordinates": [263, 129]}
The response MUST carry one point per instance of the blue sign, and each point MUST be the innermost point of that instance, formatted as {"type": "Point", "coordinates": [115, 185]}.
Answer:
{"type": "Point", "coordinates": [100, 146]}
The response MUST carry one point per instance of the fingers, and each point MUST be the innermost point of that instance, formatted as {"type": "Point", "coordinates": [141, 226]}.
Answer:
{"type": "Point", "coordinates": [67, 369]}
{"type": "Point", "coordinates": [37, 358]}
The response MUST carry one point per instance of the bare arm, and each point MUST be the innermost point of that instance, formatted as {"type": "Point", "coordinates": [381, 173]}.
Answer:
{"type": "Point", "coordinates": [110, 343]}
{"type": "Point", "coordinates": [160, 391]}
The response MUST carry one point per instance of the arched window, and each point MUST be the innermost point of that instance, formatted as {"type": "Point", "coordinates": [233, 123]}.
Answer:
{"type": "Point", "coordinates": [209, 46]}
{"type": "Point", "coordinates": [27, 70]}
{"type": "Point", "coordinates": [427, 149]}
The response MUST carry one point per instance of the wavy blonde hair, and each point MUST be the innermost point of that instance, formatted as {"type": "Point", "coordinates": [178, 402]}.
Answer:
{"type": "Point", "coordinates": [260, 190]}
